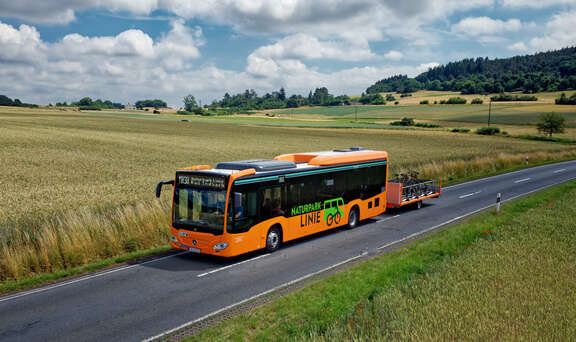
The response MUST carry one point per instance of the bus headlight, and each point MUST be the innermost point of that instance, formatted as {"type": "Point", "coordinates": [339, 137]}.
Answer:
{"type": "Point", "coordinates": [173, 238]}
{"type": "Point", "coordinates": [220, 246]}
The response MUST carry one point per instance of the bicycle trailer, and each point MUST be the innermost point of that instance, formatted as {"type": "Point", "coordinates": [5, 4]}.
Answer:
{"type": "Point", "coordinates": [413, 191]}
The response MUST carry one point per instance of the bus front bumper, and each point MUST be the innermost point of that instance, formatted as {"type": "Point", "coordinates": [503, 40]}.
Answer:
{"type": "Point", "coordinates": [218, 248]}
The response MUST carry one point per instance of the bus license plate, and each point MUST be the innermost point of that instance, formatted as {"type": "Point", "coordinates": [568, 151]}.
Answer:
{"type": "Point", "coordinates": [193, 250]}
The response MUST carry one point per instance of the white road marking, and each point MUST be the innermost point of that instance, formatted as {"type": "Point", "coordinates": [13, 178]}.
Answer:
{"type": "Point", "coordinates": [521, 180]}
{"type": "Point", "coordinates": [253, 297]}
{"type": "Point", "coordinates": [470, 194]}
{"type": "Point", "coordinates": [232, 265]}
{"type": "Point", "coordinates": [43, 289]}
{"type": "Point", "coordinates": [499, 175]}
{"type": "Point", "coordinates": [561, 170]}
{"type": "Point", "coordinates": [388, 218]}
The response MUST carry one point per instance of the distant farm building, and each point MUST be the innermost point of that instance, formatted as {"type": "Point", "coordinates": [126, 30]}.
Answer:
{"type": "Point", "coordinates": [161, 110]}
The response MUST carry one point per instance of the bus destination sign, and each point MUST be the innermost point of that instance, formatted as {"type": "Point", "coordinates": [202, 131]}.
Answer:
{"type": "Point", "coordinates": [202, 181]}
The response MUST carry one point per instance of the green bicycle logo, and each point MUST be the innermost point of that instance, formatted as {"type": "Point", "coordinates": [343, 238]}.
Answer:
{"type": "Point", "coordinates": [333, 210]}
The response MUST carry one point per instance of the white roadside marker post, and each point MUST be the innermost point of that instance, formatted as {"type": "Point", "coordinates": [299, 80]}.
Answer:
{"type": "Point", "coordinates": [498, 199]}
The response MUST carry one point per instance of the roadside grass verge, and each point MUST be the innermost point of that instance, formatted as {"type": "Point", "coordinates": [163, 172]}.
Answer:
{"type": "Point", "coordinates": [45, 278]}
{"type": "Point", "coordinates": [81, 237]}
{"type": "Point", "coordinates": [503, 262]}
{"type": "Point", "coordinates": [515, 284]}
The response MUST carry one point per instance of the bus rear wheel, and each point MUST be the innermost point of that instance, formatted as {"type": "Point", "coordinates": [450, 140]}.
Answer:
{"type": "Point", "coordinates": [273, 239]}
{"type": "Point", "coordinates": [353, 218]}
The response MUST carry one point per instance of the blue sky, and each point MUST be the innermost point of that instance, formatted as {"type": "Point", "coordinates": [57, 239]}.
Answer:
{"type": "Point", "coordinates": [124, 50]}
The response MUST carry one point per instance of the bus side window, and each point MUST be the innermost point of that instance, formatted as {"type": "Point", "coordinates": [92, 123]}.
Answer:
{"type": "Point", "coordinates": [272, 203]}
{"type": "Point", "coordinates": [266, 203]}
{"type": "Point", "coordinates": [239, 205]}
{"type": "Point", "coordinates": [245, 212]}
{"type": "Point", "coordinates": [327, 189]}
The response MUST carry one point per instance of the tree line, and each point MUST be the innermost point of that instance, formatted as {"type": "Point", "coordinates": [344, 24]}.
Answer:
{"type": "Point", "coordinates": [249, 100]}
{"type": "Point", "coordinates": [86, 103]}
{"type": "Point", "coordinates": [545, 71]}
{"type": "Point", "coordinates": [6, 101]}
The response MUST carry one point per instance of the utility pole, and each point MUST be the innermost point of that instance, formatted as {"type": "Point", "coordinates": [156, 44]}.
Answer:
{"type": "Point", "coordinates": [489, 111]}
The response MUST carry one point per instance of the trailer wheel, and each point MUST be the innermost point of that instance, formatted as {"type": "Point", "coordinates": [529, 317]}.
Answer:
{"type": "Point", "coordinates": [273, 239]}
{"type": "Point", "coordinates": [353, 218]}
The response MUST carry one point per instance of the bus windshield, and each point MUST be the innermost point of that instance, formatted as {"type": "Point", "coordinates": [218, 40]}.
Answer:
{"type": "Point", "coordinates": [199, 210]}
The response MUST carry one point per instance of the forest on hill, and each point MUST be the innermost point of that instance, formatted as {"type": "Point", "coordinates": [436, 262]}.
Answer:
{"type": "Point", "coordinates": [545, 71]}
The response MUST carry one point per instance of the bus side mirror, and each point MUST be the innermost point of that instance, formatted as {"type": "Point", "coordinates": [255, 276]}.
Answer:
{"type": "Point", "coordinates": [159, 187]}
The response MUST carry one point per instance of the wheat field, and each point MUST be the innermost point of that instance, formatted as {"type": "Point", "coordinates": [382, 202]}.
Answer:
{"type": "Point", "coordinates": [89, 179]}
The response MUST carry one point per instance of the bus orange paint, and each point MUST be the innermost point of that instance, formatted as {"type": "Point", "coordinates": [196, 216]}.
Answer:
{"type": "Point", "coordinates": [238, 207]}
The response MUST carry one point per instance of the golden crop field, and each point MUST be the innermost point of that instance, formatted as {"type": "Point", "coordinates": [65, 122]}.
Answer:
{"type": "Point", "coordinates": [62, 171]}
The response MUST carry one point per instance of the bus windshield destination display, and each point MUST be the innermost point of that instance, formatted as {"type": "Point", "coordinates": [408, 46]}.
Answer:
{"type": "Point", "coordinates": [202, 181]}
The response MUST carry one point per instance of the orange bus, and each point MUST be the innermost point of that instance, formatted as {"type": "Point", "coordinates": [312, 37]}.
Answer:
{"type": "Point", "coordinates": [242, 206]}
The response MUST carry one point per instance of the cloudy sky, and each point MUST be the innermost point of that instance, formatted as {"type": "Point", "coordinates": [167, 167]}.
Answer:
{"type": "Point", "coordinates": [127, 50]}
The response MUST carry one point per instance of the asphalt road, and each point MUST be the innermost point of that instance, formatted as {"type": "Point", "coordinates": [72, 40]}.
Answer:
{"type": "Point", "coordinates": [138, 301]}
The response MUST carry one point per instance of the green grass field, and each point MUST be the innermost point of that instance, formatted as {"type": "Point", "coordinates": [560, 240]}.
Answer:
{"type": "Point", "coordinates": [501, 113]}
{"type": "Point", "coordinates": [516, 117]}
{"type": "Point", "coordinates": [495, 277]}
{"type": "Point", "coordinates": [86, 181]}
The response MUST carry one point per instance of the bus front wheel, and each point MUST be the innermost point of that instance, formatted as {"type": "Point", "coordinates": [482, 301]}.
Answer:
{"type": "Point", "coordinates": [273, 239]}
{"type": "Point", "coordinates": [353, 218]}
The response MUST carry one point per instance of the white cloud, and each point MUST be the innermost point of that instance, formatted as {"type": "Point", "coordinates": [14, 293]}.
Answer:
{"type": "Point", "coordinates": [102, 67]}
{"type": "Point", "coordinates": [261, 66]}
{"type": "Point", "coordinates": [346, 19]}
{"type": "Point", "coordinates": [491, 39]}
{"type": "Point", "coordinates": [132, 65]}
{"type": "Point", "coordinates": [286, 54]}
{"type": "Point", "coordinates": [560, 33]}
{"type": "Point", "coordinates": [393, 55]}
{"type": "Point", "coordinates": [20, 45]}
{"type": "Point", "coordinates": [519, 46]}
{"type": "Point", "coordinates": [63, 11]}
{"type": "Point", "coordinates": [112, 66]}
{"type": "Point", "coordinates": [425, 67]}
{"type": "Point", "coordinates": [477, 26]}
{"type": "Point", "coordinates": [536, 3]}
{"type": "Point", "coordinates": [127, 43]}
{"type": "Point", "coordinates": [303, 46]}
